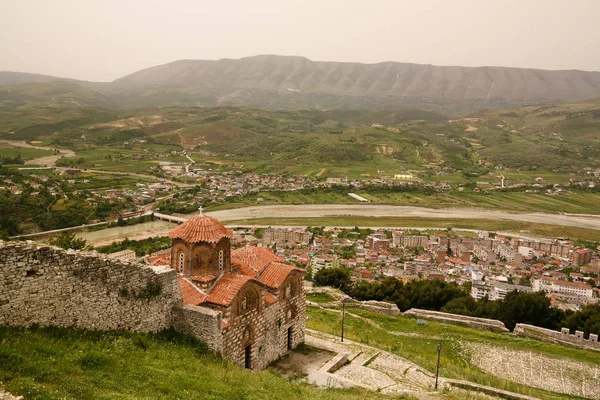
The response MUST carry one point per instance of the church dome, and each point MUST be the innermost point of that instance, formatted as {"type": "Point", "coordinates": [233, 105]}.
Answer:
{"type": "Point", "coordinates": [200, 228]}
{"type": "Point", "coordinates": [256, 258]}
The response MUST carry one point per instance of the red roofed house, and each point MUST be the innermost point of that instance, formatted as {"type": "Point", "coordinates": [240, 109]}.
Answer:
{"type": "Point", "coordinates": [246, 304]}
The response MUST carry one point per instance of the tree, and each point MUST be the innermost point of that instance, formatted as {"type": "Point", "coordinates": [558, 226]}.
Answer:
{"type": "Point", "coordinates": [334, 277]}
{"type": "Point", "coordinates": [586, 320]}
{"type": "Point", "coordinates": [67, 240]}
{"type": "Point", "coordinates": [529, 308]}
{"type": "Point", "coordinates": [464, 305]}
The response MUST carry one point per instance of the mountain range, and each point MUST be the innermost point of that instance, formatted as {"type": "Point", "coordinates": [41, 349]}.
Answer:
{"type": "Point", "coordinates": [285, 82]}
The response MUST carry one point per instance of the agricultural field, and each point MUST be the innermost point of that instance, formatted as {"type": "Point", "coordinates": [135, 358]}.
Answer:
{"type": "Point", "coordinates": [552, 142]}
{"type": "Point", "coordinates": [8, 151]}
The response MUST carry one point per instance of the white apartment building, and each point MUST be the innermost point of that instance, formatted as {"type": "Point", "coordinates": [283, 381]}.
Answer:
{"type": "Point", "coordinates": [581, 289]}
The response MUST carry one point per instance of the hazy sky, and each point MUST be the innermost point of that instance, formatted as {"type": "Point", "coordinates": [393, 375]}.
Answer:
{"type": "Point", "coordinates": [102, 40]}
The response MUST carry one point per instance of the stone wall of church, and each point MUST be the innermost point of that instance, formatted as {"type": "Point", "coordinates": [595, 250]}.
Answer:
{"type": "Point", "coordinates": [200, 322]}
{"type": "Point", "coordinates": [49, 286]}
{"type": "Point", "coordinates": [266, 332]}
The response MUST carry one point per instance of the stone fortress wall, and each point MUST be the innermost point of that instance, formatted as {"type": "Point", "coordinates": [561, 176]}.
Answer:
{"type": "Point", "coordinates": [473, 322]}
{"type": "Point", "coordinates": [45, 285]}
{"type": "Point", "coordinates": [380, 307]}
{"type": "Point", "coordinates": [562, 337]}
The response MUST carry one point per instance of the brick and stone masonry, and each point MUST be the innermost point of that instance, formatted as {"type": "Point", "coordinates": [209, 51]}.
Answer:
{"type": "Point", "coordinates": [49, 286]}
{"type": "Point", "coordinates": [252, 312]}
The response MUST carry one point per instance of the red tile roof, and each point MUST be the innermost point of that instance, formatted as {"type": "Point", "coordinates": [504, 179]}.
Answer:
{"type": "Point", "coordinates": [275, 273]}
{"type": "Point", "coordinates": [201, 228]}
{"type": "Point", "coordinates": [244, 269]}
{"type": "Point", "coordinates": [159, 259]}
{"type": "Point", "coordinates": [254, 258]}
{"type": "Point", "coordinates": [224, 324]}
{"type": "Point", "coordinates": [202, 278]}
{"type": "Point", "coordinates": [270, 299]}
{"type": "Point", "coordinates": [226, 288]}
{"type": "Point", "coordinates": [578, 285]}
{"type": "Point", "coordinates": [190, 293]}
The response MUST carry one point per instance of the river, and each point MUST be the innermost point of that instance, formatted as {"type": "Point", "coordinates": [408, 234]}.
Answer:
{"type": "Point", "coordinates": [366, 210]}
{"type": "Point", "coordinates": [47, 161]}
{"type": "Point", "coordinates": [134, 232]}
{"type": "Point", "coordinates": [160, 228]}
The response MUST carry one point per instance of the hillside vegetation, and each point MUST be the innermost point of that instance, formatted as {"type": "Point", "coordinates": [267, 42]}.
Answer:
{"type": "Point", "coordinates": [53, 94]}
{"type": "Point", "coordinates": [55, 363]}
{"type": "Point", "coordinates": [518, 143]}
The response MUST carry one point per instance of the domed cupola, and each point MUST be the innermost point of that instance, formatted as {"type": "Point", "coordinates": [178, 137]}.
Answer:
{"type": "Point", "coordinates": [200, 247]}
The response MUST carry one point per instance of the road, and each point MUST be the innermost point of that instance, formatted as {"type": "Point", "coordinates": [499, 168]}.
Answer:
{"type": "Point", "coordinates": [366, 210]}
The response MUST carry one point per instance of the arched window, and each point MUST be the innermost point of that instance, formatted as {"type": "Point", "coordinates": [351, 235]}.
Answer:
{"type": "Point", "coordinates": [181, 261]}
{"type": "Point", "coordinates": [221, 260]}
{"type": "Point", "coordinates": [248, 302]}
{"type": "Point", "coordinates": [288, 291]}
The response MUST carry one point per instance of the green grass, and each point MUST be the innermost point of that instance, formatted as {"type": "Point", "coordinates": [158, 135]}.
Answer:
{"type": "Point", "coordinates": [535, 229]}
{"type": "Point", "coordinates": [421, 348]}
{"type": "Point", "coordinates": [58, 363]}
{"type": "Point", "coordinates": [26, 153]}
{"type": "Point", "coordinates": [320, 297]}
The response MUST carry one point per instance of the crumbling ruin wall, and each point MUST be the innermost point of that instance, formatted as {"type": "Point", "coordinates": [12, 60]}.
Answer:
{"type": "Point", "coordinates": [473, 322]}
{"type": "Point", "coordinates": [562, 337]}
{"type": "Point", "coordinates": [45, 285]}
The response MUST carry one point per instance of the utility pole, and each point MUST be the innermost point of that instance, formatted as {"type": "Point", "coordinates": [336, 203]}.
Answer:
{"type": "Point", "coordinates": [343, 316]}
{"type": "Point", "coordinates": [437, 370]}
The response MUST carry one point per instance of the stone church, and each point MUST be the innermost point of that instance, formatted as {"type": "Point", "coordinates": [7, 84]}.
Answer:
{"type": "Point", "coordinates": [256, 298]}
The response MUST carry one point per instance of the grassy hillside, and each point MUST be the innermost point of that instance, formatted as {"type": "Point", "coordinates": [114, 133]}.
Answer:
{"type": "Point", "coordinates": [73, 364]}
{"type": "Point", "coordinates": [53, 94]}
{"type": "Point", "coordinates": [558, 139]}
{"type": "Point", "coordinates": [59, 363]}
{"type": "Point", "coordinates": [417, 342]}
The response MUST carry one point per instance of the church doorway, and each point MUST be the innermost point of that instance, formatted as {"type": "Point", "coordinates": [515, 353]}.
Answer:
{"type": "Point", "coordinates": [289, 338]}
{"type": "Point", "coordinates": [248, 357]}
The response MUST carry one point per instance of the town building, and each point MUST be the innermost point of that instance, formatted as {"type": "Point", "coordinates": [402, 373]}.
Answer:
{"type": "Point", "coordinates": [283, 235]}
{"type": "Point", "coordinates": [123, 255]}
{"type": "Point", "coordinates": [377, 243]}
{"type": "Point", "coordinates": [399, 239]}
{"type": "Point", "coordinates": [495, 290]}
{"type": "Point", "coordinates": [322, 261]}
{"type": "Point", "coordinates": [582, 257]}
{"type": "Point", "coordinates": [569, 289]}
